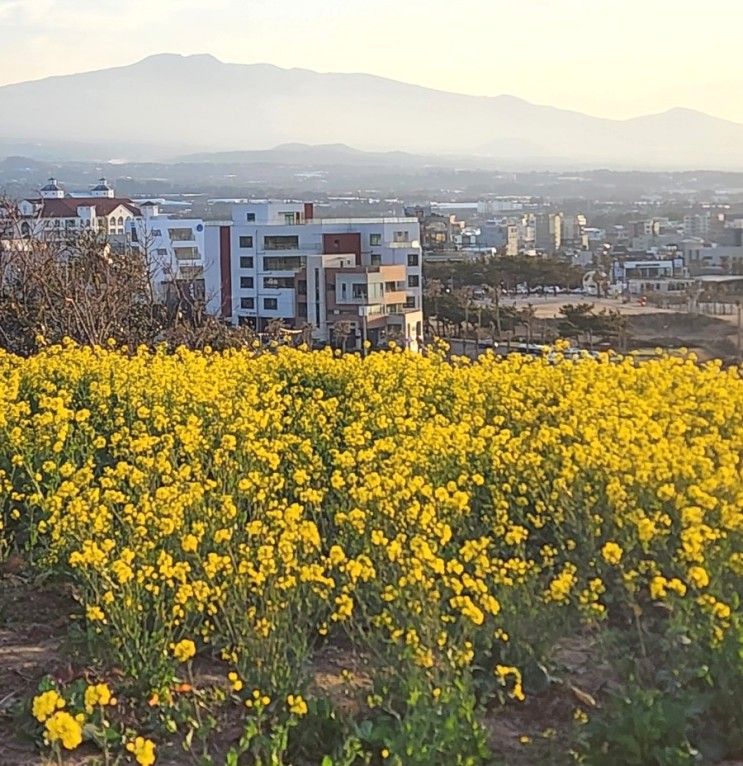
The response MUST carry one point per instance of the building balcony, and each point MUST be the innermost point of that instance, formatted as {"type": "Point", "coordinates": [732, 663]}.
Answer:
{"type": "Point", "coordinates": [394, 297]}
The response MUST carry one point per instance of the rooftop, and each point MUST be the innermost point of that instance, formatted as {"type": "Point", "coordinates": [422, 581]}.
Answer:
{"type": "Point", "coordinates": [67, 206]}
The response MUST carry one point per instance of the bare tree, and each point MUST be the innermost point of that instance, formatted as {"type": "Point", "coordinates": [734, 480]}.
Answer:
{"type": "Point", "coordinates": [75, 283]}
{"type": "Point", "coordinates": [341, 332]}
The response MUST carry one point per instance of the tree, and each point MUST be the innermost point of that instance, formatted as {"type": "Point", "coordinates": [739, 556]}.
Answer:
{"type": "Point", "coordinates": [341, 332]}
{"type": "Point", "coordinates": [506, 273]}
{"type": "Point", "coordinates": [76, 284]}
{"type": "Point", "coordinates": [581, 319]}
{"type": "Point", "coordinates": [79, 288]}
{"type": "Point", "coordinates": [432, 290]}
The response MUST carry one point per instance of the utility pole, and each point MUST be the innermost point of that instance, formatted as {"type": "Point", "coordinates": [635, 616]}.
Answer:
{"type": "Point", "coordinates": [740, 332]}
{"type": "Point", "coordinates": [363, 311]}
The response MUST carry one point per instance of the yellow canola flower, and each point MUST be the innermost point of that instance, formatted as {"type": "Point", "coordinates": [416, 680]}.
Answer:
{"type": "Point", "coordinates": [612, 553]}
{"type": "Point", "coordinates": [143, 751]}
{"type": "Point", "coordinates": [65, 728]}
{"type": "Point", "coordinates": [45, 704]}
{"type": "Point", "coordinates": [184, 650]}
{"type": "Point", "coordinates": [97, 694]}
{"type": "Point", "coordinates": [698, 576]}
{"type": "Point", "coordinates": [296, 704]}
{"type": "Point", "coordinates": [238, 497]}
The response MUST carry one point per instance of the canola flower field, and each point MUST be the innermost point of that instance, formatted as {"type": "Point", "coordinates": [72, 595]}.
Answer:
{"type": "Point", "coordinates": [227, 522]}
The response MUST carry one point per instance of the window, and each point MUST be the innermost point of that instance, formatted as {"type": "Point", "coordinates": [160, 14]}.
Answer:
{"type": "Point", "coordinates": [181, 235]}
{"type": "Point", "coordinates": [413, 280]}
{"type": "Point", "coordinates": [247, 303]}
{"type": "Point", "coordinates": [410, 302]}
{"type": "Point", "coordinates": [191, 272]}
{"type": "Point", "coordinates": [290, 218]}
{"type": "Point", "coordinates": [288, 263]}
{"type": "Point", "coordinates": [412, 259]}
{"type": "Point", "coordinates": [278, 283]}
{"type": "Point", "coordinates": [186, 253]}
{"type": "Point", "coordinates": [279, 242]}
{"type": "Point", "coordinates": [246, 242]}
{"type": "Point", "coordinates": [376, 259]}
{"type": "Point", "coordinates": [246, 283]}
{"type": "Point", "coordinates": [360, 291]}
{"type": "Point", "coordinates": [162, 251]}
{"type": "Point", "coordinates": [250, 217]}
{"type": "Point", "coordinates": [375, 239]}
{"type": "Point", "coordinates": [270, 304]}
{"type": "Point", "coordinates": [401, 236]}
{"type": "Point", "coordinates": [246, 261]}
{"type": "Point", "coordinates": [156, 233]}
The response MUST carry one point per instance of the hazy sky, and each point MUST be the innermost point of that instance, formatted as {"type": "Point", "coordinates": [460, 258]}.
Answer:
{"type": "Point", "coordinates": [613, 58]}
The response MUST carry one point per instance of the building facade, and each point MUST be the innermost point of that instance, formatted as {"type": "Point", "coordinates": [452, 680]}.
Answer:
{"type": "Point", "coordinates": [54, 213]}
{"type": "Point", "coordinates": [174, 249]}
{"type": "Point", "coordinates": [548, 232]}
{"type": "Point", "coordinates": [356, 277]}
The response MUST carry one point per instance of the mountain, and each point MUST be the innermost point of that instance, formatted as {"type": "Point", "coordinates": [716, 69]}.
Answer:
{"type": "Point", "coordinates": [170, 104]}
{"type": "Point", "coordinates": [320, 154]}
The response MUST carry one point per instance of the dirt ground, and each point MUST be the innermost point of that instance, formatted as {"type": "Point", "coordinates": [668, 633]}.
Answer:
{"type": "Point", "coordinates": [33, 627]}
{"type": "Point", "coordinates": [548, 306]}
{"type": "Point", "coordinates": [35, 617]}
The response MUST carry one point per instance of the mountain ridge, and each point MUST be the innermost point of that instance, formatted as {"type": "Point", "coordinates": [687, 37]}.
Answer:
{"type": "Point", "coordinates": [197, 103]}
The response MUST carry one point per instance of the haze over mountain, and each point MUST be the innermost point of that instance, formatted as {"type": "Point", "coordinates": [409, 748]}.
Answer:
{"type": "Point", "coordinates": [169, 105]}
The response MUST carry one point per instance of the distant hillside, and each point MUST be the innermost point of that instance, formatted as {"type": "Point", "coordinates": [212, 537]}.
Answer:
{"type": "Point", "coordinates": [323, 154]}
{"type": "Point", "coordinates": [172, 105]}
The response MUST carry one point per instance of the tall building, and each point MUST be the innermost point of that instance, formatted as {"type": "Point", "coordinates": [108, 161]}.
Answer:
{"type": "Point", "coordinates": [275, 261]}
{"type": "Point", "coordinates": [697, 225]}
{"type": "Point", "coordinates": [548, 232]}
{"type": "Point", "coordinates": [573, 231]}
{"type": "Point", "coordinates": [512, 240]}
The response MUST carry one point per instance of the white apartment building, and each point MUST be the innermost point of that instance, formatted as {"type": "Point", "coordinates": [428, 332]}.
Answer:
{"type": "Point", "coordinates": [275, 261]}
{"type": "Point", "coordinates": [174, 248]}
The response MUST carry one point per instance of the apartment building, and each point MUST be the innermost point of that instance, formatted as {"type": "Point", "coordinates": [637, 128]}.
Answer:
{"type": "Point", "coordinates": [697, 225]}
{"type": "Point", "coordinates": [548, 232]}
{"type": "Point", "coordinates": [574, 231]}
{"type": "Point", "coordinates": [174, 248]}
{"type": "Point", "coordinates": [275, 261]}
